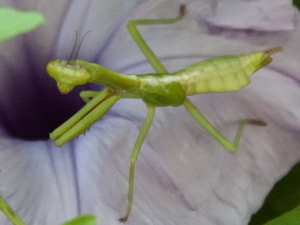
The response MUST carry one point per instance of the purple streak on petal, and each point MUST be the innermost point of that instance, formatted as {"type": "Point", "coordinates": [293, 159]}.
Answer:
{"type": "Point", "coordinates": [15, 4]}
{"type": "Point", "coordinates": [76, 175]}
{"type": "Point", "coordinates": [285, 73]}
{"type": "Point", "coordinates": [253, 15]}
{"type": "Point", "coordinates": [68, 8]}
{"type": "Point", "coordinates": [216, 29]}
{"type": "Point", "coordinates": [120, 23]}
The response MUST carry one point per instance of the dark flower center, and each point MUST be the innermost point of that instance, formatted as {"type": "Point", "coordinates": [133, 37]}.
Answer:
{"type": "Point", "coordinates": [30, 104]}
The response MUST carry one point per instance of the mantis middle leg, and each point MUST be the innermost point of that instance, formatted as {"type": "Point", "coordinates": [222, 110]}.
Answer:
{"type": "Point", "coordinates": [134, 155]}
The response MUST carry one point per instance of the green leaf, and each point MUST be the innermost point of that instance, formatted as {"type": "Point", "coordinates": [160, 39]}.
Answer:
{"type": "Point", "coordinates": [290, 218]}
{"type": "Point", "coordinates": [284, 197]}
{"type": "Point", "coordinates": [297, 3]}
{"type": "Point", "coordinates": [14, 22]}
{"type": "Point", "coordinates": [82, 220]}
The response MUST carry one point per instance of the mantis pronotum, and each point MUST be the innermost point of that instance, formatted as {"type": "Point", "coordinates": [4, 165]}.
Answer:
{"type": "Point", "coordinates": [220, 74]}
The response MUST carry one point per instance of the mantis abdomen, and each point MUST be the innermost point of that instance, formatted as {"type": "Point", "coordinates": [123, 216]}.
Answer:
{"type": "Point", "coordinates": [222, 74]}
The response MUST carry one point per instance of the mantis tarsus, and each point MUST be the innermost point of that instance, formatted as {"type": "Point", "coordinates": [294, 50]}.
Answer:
{"type": "Point", "coordinates": [220, 74]}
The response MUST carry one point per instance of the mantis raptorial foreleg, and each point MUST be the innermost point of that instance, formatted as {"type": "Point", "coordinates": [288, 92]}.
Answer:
{"type": "Point", "coordinates": [85, 117]}
{"type": "Point", "coordinates": [87, 96]}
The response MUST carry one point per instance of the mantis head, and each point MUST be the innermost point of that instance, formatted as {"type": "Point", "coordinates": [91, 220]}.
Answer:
{"type": "Point", "coordinates": [67, 74]}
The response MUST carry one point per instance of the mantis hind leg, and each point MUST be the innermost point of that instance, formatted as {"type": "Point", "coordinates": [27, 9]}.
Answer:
{"type": "Point", "coordinates": [151, 57]}
{"type": "Point", "coordinates": [134, 155]}
{"type": "Point", "coordinates": [202, 121]}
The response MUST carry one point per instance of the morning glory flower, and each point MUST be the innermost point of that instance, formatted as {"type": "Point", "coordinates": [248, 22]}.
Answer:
{"type": "Point", "coordinates": [183, 176]}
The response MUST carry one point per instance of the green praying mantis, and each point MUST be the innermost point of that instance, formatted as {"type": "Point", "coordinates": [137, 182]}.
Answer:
{"type": "Point", "coordinates": [220, 74]}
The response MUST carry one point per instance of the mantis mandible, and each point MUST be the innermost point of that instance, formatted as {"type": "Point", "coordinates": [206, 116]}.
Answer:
{"type": "Point", "coordinates": [220, 74]}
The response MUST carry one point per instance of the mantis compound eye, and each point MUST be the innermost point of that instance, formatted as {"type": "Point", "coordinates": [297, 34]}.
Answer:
{"type": "Point", "coordinates": [67, 74]}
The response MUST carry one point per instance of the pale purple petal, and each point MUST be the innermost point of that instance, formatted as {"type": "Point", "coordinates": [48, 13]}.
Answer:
{"type": "Point", "coordinates": [263, 15]}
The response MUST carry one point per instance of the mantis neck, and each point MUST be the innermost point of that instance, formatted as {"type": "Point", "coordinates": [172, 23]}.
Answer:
{"type": "Point", "coordinates": [112, 79]}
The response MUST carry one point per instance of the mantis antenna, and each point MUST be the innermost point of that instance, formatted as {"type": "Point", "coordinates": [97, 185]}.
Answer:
{"type": "Point", "coordinates": [79, 46]}
{"type": "Point", "coordinates": [220, 74]}
{"type": "Point", "coordinates": [74, 46]}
